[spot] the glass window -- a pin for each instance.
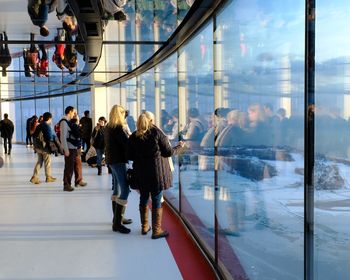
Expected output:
(259, 79)
(332, 138)
(146, 87)
(129, 88)
(84, 103)
(168, 114)
(196, 106)
(56, 109)
(41, 106)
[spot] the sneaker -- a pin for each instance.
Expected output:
(68, 188)
(50, 179)
(81, 184)
(35, 180)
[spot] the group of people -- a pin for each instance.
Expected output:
(148, 148)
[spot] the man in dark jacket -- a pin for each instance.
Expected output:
(6, 129)
(44, 155)
(86, 130)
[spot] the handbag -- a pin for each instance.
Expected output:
(131, 179)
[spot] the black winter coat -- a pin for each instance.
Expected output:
(150, 160)
(86, 127)
(98, 138)
(6, 128)
(116, 141)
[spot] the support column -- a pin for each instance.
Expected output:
(182, 89)
(157, 89)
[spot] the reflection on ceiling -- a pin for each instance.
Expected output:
(128, 42)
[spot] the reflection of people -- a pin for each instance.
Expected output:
(5, 56)
(149, 149)
(58, 55)
(38, 11)
(66, 16)
(194, 130)
(43, 65)
(173, 126)
(6, 131)
(31, 58)
(114, 9)
(70, 59)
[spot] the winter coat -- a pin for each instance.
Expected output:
(98, 140)
(6, 128)
(116, 141)
(86, 127)
(150, 160)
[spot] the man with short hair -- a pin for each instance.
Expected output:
(44, 153)
(70, 151)
(6, 130)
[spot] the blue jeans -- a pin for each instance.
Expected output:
(99, 156)
(121, 187)
(156, 199)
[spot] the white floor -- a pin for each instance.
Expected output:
(46, 233)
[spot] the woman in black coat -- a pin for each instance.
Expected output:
(98, 141)
(116, 140)
(149, 149)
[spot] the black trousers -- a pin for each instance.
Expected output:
(8, 144)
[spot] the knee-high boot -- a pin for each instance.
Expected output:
(118, 217)
(145, 228)
(157, 224)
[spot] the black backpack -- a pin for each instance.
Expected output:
(74, 135)
(38, 139)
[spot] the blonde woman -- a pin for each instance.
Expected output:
(149, 149)
(116, 138)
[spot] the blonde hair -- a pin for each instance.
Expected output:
(117, 116)
(144, 123)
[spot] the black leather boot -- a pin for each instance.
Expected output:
(118, 217)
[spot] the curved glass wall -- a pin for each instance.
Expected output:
(234, 92)
(332, 158)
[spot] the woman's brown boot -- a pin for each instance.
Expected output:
(157, 224)
(145, 228)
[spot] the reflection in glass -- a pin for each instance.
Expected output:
(196, 105)
(332, 137)
(259, 138)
